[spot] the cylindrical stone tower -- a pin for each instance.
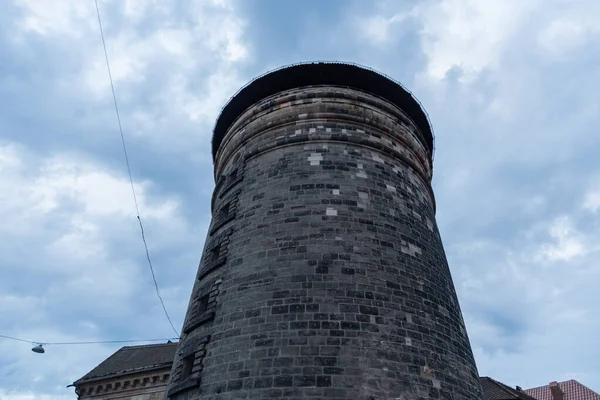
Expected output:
(323, 274)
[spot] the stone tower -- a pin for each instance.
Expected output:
(323, 275)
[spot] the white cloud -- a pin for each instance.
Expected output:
(469, 34)
(567, 242)
(8, 157)
(72, 245)
(185, 51)
(137, 9)
(54, 18)
(571, 30)
(97, 190)
(377, 28)
(475, 36)
(591, 201)
(172, 74)
(526, 301)
(92, 191)
(206, 106)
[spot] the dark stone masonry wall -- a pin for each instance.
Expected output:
(323, 274)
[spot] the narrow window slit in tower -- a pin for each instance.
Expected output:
(214, 253)
(224, 213)
(202, 304)
(187, 365)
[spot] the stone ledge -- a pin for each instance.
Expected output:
(185, 385)
(230, 217)
(196, 322)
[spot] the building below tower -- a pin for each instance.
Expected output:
(131, 373)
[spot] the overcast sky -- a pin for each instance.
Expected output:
(511, 86)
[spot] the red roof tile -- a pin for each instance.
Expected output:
(572, 390)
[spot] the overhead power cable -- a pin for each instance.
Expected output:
(112, 86)
(88, 342)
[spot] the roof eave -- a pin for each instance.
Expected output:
(120, 374)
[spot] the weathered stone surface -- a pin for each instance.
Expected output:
(330, 280)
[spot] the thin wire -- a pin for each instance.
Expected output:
(89, 342)
(112, 86)
(14, 338)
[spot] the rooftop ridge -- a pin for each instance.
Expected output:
(139, 346)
